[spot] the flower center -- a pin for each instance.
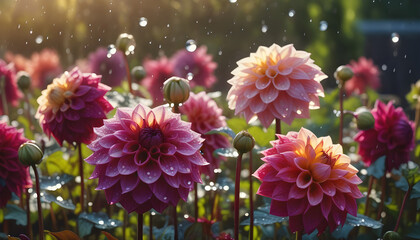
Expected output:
(150, 137)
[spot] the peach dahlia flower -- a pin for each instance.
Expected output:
(309, 180)
(276, 82)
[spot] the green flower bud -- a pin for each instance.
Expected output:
(243, 142)
(364, 120)
(126, 43)
(138, 73)
(391, 235)
(176, 90)
(343, 73)
(23, 80)
(30, 153)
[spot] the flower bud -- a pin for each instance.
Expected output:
(364, 120)
(125, 43)
(30, 153)
(391, 235)
(176, 90)
(343, 73)
(243, 142)
(138, 73)
(23, 80)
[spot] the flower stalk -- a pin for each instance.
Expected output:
(140, 226)
(367, 196)
(251, 199)
(237, 188)
(28, 213)
(150, 225)
(127, 69)
(38, 200)
(82, 179)
(407, 194)
(278, 126)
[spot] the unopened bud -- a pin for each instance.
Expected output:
(23, 80)
(365, 120)
(126, 43)
(176, 90)
(391, 235)
(30, 153)
(138, 73)
(343, 73)
(243, 142)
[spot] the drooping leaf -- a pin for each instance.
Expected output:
(64, 235)
(362, 220)
(226, 152)
(402, 184)
(226, 131)
(414, 231)
(48, 198)
(100, 220)
(416, 191)
(13, 212)
(342, 232)
(312, 236)
(85, 227)
(377, 169)
(52, 183)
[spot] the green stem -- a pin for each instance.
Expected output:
(82, 179)
(127, 70)
(251, 199)
(381, 205)
(38, 200)
(237, 188)
(139, 226)
(298, 235)
(367, 196)
(278, 126)
(402, 207)
(28, 213)
(175, 108)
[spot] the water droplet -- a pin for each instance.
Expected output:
(59, 198)
(384, 67)
(292, 13)
(143, 22)
(111, 50)
(191, 45)
(323, 26)
(232, 1)
(148, 173)
(395, 37)
(172, 168)
(220, 52)
(30, 32)
(264, 28)
(189, 182)
(164, 198)
(299, 112)
(101, 222)
(18, 26)
(190, 76)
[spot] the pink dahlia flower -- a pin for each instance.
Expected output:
(10, 85)
(310, 180)
(146, 158)
(158, 71)
(392, 136)
(72, 106)
(20, 62)
(366, 74)
(112, 69)
(44, 67)
(14, 176)
(198, 63)
(205, 115)
(276, 82)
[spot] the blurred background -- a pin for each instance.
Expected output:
(334, 31)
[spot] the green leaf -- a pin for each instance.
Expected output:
(100, 220)
(67, 204)
(237, 124)
(262, 217)
(13, 212)
(414, 231)
(226, 131)
(362, 220)
(52, 183)
(85, 227)
(262, 138)
(416, 191)
(226, 152)
(64, 235)
(342, 232)
(402, 184)
(377, 169)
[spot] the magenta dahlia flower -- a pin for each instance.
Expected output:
(205, 115)
(276, 82)
(44, 67)
(10, 85)
(72, 106)
(366, 74)
(157, 72)
(146, 158)
(309, 180)
(392, 136)
(112, 69)
(14, 176)
(196, 66)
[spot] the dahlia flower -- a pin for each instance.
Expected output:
(112, 69)
(392, 136)
(276, 82)
(44, 67)
(20, 62)
(10, 86)
(13, 175)
(157, 72)
(310, 180)
(72, 106)
(197, 63)
(146, 158)
(205, 115)
(366, 74)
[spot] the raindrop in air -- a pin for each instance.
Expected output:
(292, 13)
(323, 25)
(264, 28)
(111, 50)
(384, 67)
(232, 1)
(191, 45)
(39, 39)
(143, 22)
(190, 76)
(395, 37)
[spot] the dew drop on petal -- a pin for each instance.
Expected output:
(191, 45)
